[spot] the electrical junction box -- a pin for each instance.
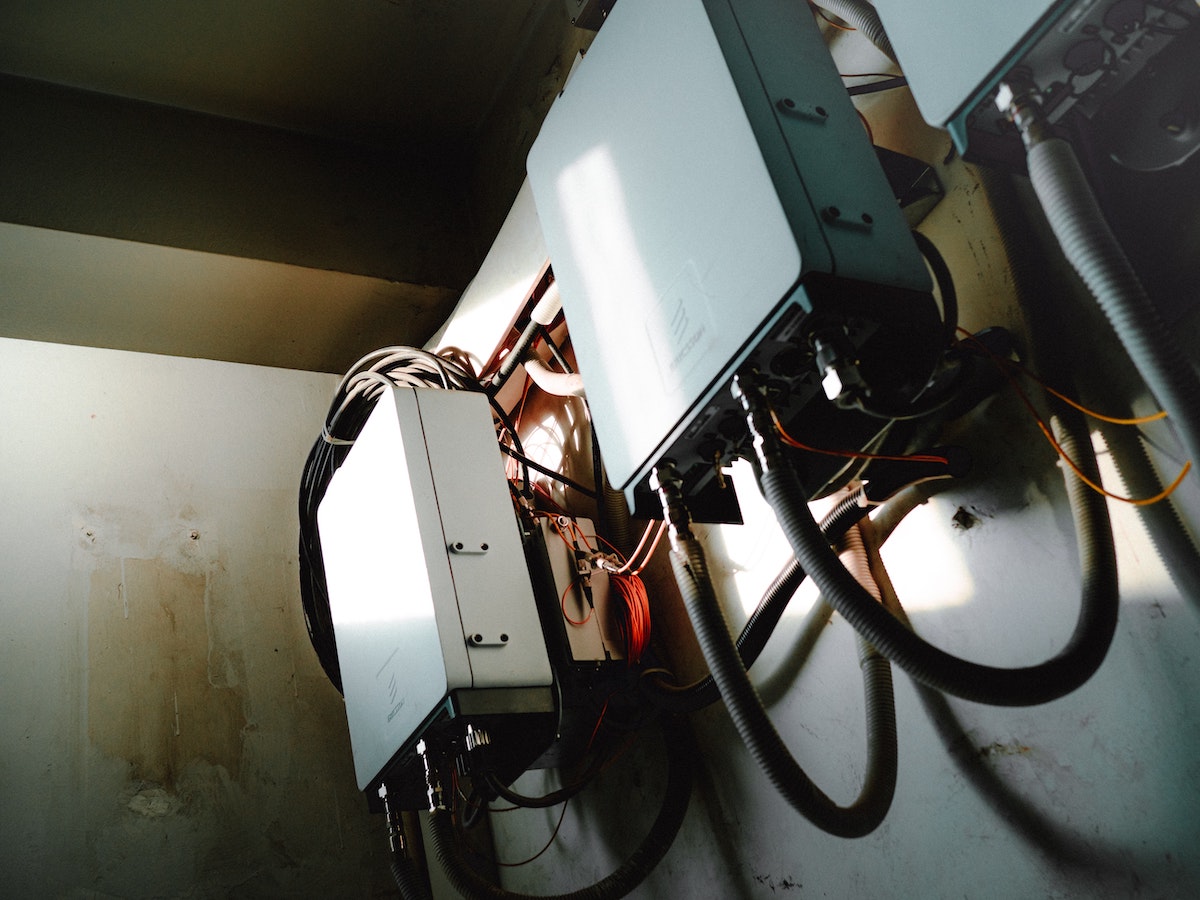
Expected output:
(1078, 53)
(583, 592)
(709, 199)
(431, 599)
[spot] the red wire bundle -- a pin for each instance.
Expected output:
(630, 607)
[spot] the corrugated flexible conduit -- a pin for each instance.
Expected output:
(1171, 539)
(761, 623)
(680, 775)
(1096, 255)
(864, 18)
(745, 706)
(1022, 686)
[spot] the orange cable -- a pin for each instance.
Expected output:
(628, 565)
(838, 25)
(662, 529)
(1001, 361)
(563, 605)
(599, 721)
(852, 454)
(1143, 501)
(617, 553)
(632, 616)
(638, 549)
(1099, 489)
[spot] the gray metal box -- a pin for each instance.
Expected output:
(428, 586)
(702, 160)
(1078, 53)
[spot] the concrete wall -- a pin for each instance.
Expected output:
(165, 729)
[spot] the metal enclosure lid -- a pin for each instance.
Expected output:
(952, 51)
(675, 187)
(424, 473)
(663, 271)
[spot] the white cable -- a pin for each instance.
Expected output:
(547, 308)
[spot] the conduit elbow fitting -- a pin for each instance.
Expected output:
(1020, 101)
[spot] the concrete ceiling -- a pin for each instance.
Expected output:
(417, 73)
(375, 142)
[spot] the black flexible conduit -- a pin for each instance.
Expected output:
(945, 283)
(408, 879)
(755, 726)
(681, 751)
(562, 795)
(761, 624)
(1024, 686)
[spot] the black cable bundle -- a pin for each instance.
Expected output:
(352, 403)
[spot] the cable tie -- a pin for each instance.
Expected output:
(336, 441)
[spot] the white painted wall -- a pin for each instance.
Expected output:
(1093, 795)
(165, 729)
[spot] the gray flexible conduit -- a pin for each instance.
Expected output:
(862, 16)
(1093, 250)
(680, 775)
(759, 627)
(1171, 539)
(1024, 686)
(756, 729)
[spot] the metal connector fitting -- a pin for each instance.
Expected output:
(840, 376)
(476, 738)
(767, 447)
(394, 822)
(1021, 103)
(432, 781)
(666, 481)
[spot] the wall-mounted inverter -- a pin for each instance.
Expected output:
(710, 200)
